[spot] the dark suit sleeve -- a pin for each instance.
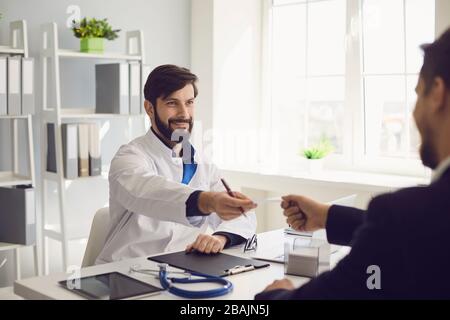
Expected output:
(192, 208)
(232, 239)
(341, 224)
(348, 280)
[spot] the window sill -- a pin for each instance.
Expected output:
(363, 181)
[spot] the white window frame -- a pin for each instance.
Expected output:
(353, 157)
(360, 161)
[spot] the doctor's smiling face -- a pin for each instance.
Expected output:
(170, 93)
(174, 112)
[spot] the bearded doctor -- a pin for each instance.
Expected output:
(164, 195)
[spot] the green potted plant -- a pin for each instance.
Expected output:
(316, 153)
(92, 33)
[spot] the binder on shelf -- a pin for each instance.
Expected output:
(3, 81)
(28, 86)
(14, 94)
(112, 88)
(146, 69)
(135, 87)
(69, 132)
(83, 149)
(51, 148)
(18, 215)
(95, 159)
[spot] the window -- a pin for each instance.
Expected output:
(392, 59)
(346, 70)
(306, 58)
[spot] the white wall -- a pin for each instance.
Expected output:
(226, 55)
(202, 46)
(442, 16)
(166, 27)
(237, 81)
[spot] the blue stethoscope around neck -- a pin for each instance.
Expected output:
(168, 284)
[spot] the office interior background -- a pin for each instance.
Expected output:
(275, 77)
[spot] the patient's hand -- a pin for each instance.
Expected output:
(304, 214)
(280, 284)
(208, 244)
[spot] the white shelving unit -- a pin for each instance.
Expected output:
(51, 53)
(19, 46)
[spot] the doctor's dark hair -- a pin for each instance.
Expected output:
(436, 62)
(166, 79)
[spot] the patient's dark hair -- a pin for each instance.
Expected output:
(166, 79)
(436, 62)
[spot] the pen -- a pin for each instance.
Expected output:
(239, 269)
(231, 194)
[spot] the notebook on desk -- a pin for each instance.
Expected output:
(218, 264)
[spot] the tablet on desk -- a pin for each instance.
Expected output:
(109, 286)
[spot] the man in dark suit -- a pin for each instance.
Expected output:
(401, 244)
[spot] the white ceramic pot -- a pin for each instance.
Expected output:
(314, 165)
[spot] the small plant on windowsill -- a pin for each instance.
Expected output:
(315, 155)
(92, 33)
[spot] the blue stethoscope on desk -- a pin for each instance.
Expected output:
(168, 283)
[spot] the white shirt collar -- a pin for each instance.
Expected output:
(155, 140)
(442, 167)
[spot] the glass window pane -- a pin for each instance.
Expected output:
(418, 33)
(411, 97)
(288, 78)
(326, 46)
(288, 125)
(288, 89)
(326, 110)
(288, 41)
(385, 121)
(383, 40)
(281, 2)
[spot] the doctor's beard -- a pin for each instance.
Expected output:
(166, 130)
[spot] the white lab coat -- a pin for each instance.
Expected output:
(147, 202)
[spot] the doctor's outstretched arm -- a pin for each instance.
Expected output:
(136, 185)
(242, 227)
(225, 206)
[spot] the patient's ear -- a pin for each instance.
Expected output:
(438, 95)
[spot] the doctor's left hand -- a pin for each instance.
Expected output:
(208, 244)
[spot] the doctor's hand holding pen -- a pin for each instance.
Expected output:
(224, 205)
(304, 214)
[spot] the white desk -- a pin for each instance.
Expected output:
(246, 284)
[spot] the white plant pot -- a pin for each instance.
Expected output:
(314, 165)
